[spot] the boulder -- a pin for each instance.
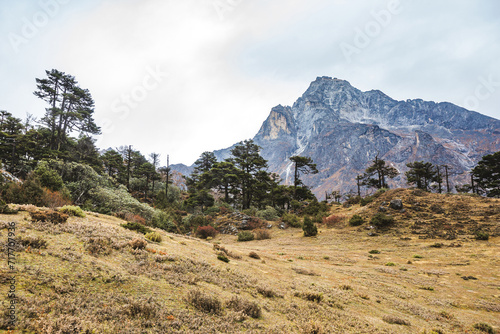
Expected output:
(396, 204)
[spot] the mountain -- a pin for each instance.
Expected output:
(343, 129)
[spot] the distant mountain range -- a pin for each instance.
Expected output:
(343, 129)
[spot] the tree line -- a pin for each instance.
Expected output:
(65, 133)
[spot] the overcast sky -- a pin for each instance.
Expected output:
(180, 77)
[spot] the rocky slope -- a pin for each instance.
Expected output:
(343, 129)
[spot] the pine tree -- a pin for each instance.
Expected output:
(71, 107)
(303, 165)
(376, 175)
(247, 159)
(310, 230)
(422, 174)
(486, 175)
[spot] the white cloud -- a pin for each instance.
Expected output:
(226, 67)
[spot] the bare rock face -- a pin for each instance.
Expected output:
(343, 129)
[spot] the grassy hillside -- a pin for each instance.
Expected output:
(425, 274)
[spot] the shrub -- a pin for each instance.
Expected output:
(108, 200)
(269, 213)
(356, 220)
(482, 236)
(192, 222)
(390, 264)
(436, 208)
(248, 308)
(73, 210)
(381, 220)
(133, 226)
(162, 220)
(310, 296)
(204, 302)
(315, 208)
(33, 242)
(254, 255)
(97, 246)
(223, 258)
(153, 236)
(252, 211)
(484, 328)
(268, 293)
(291, 220)
(333, 220)
(395, 320)
(138, 243)
(245, 236)
(353, 200)
(374, 251)
(54, 199)
(261, 234)
(225, 208)
(310, 230)
(379, 192)
(206, 231)
(50, 215)
(366, 200)
(4, 209)
(48, 178)
(212, 210)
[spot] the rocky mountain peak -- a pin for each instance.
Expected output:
(342, 129)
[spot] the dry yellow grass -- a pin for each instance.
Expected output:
(442, 278)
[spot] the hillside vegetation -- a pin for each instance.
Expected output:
(427, 272)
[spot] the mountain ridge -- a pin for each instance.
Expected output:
(343, 129)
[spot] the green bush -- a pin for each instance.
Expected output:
(353, 200)
(310, 230)
(48, 177)
(108, 200)
(223, 258)
(315, 208)
(381, 220)
(4, 209)
(291, 220)
(163, 220)
(153, 236)
(245, 236)
(356, 220)
(73, 210)
(212, 210)
(252, 211)
(136, 227)
(366, 200)
(379, 192)
(192, 222)
(225, 208)
(482, 236)
(269, 213)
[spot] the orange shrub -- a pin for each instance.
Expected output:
(333, 220)
(206, 231)
(261, 234)
(50, 215)
(54, 199)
